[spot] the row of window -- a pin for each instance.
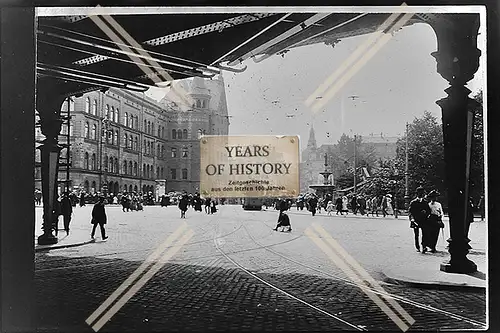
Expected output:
(114, 187)
(183, 134)
(128, 167)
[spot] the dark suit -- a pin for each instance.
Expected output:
(66, 211)
(99, 218)
(419, 212)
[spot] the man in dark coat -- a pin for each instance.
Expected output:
(66, 211)
(419, 212)
(183, 205)
(283, 221)
(99, 218)
(354, 204)
(82, 199)
(313, 203)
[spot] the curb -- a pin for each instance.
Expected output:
(431, 285)
(39, 248)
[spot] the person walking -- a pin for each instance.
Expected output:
(344, 205)
(374, 206)
(418, 214)
(354, 204)
(183, 205)
(330, 207)
(313, 203)
(435, 222)
(338, 206)
(361, 204)
(66, 210)
(207, 205)
(99, 218)
(82, 199)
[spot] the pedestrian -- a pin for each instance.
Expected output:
(435, 220)
(374, 206)
(388, 204)
(344, 205)
(183, 205)
(82, 199)
(99, 218)
(338, 206)
(330, 207)
(207, 205)
(313, 203)
(354, 204)
(66, 211)
(361, 204)
(213, 208)
(283, 221)
(418, 213)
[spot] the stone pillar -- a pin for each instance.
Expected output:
(49, 107)
(457, 61)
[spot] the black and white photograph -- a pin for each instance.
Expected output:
(207, 168)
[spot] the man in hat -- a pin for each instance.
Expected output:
(66, 211)
(418, 213)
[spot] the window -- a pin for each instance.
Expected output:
(105, 162)
(71, 129)
(94, 130)
(112, 113)
(115, 138)
(130, 167)
(87, 105)
(174, 152)
(152, 173)
(111, 165)
(131, 142)
(147, 171)
(173, 173)
(94, 107)
(179, 134)
(174, 134)
(184, 152)
(200, 133)
(144, 170)
(163, 132)
(124, 167)
(135, 144)
(86, 161)
(161, 173)
(125, 119)
(144, 147)
(162, 151)
(107, 111)
(184, 173)
(185, 134)
(152, 129)
(71, 104)
(198, 103)
(93, 163)
(148, 151)
(116, 166)
(130, 121)
(135, 168)
(86, 130)
(204, 104)
(117, 115)
(126, 140)
(159, 131)
(149, 127)
(145, 126)
(158, 150)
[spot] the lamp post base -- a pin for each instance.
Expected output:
(464, 266)
(47, 239)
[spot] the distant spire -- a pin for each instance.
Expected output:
(312, 139)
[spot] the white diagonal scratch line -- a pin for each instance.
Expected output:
(362, 272)
(355, 278)
(142, 281)
(360, 63)
(151, 258)
(361, 48)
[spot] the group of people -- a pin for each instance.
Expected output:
(426, 214)
(196, 202)
(131, 201)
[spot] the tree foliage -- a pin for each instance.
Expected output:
(425, 155)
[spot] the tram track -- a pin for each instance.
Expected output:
(367, 288)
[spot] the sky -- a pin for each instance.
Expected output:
(398, 84)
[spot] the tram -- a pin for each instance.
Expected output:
(253, 203)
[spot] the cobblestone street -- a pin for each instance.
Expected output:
(234, 272)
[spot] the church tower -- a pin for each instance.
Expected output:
(311, 144)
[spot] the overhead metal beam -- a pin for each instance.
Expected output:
(204, 29)
(296, 29)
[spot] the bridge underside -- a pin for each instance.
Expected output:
(79, 53)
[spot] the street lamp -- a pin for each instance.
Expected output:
(104, 133)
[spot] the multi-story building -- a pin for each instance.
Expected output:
(131, 142)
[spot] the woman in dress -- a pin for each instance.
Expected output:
(434, 221)
(344, 205)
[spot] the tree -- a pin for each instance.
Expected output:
(477, 154)
(425, 156)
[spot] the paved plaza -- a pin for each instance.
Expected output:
(235, 273)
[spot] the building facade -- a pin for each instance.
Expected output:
(129, 142)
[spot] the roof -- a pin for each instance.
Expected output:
(134, 51)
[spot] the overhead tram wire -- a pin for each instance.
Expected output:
(206, 67)
(124, 60)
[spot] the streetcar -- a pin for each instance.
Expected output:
(253, 203)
